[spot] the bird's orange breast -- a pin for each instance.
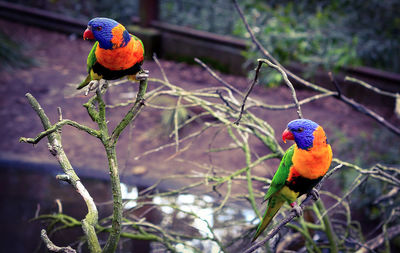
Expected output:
(121, 58)
(315, 162)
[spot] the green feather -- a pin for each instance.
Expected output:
(91, 60)
(273, 195)
(274, 204)
(282, 174)
(84, 82)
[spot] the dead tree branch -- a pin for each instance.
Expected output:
(359, 107)
(52, 247)
(315, 87)
(285, 78)
(56, 149)
(370, 87)
(380, 239)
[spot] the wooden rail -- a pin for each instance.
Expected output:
(183, 43)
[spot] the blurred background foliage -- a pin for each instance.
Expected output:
(122, 10)
(12, 54)
(216, 16)
(323, 33)
(328, 34)
(364, 151)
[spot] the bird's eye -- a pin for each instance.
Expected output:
(99, 28)
(300, 130)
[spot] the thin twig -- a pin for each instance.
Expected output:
(56, 127)
(176, 122)
(285, 78)
(270, 57)
(289, 106)
(337, 86)
(256, 103)
(356, 182)
(379, 240)
(315, 87)
(365, 110)
(248, 93)
(132, 113)
(288, 83)
(219, 79)
(52, 247)
(370, 87)
(55, 145)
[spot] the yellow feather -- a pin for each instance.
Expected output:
(274, 204)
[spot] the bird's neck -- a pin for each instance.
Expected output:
(317, 139)
(320, 138)
(121, 36)
(118, 38)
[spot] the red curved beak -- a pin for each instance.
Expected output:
(287, 135)
(88, 35)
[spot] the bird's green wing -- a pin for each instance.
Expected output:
(281, 175)
(91, 60)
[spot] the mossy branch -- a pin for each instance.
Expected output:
(58, 126)
(132, 113)
(54, 138)
(52, 247)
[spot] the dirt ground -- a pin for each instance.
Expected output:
(62, 64)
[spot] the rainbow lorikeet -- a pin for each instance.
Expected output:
(115, 54)
(301, 168)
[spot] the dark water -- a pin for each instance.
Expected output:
(25, 192)
(28, 189)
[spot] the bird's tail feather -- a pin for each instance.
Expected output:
(84, 82)
(274, 204)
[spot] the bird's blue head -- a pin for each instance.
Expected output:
(302, 132)
(101, 29)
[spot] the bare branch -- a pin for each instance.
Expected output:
(248, 93)
(285, 78)
(370, 87)
(365, 110)
(52, 247)
(132, 113)
(270, 57)
(54, 128)
(219, 79)
(256, 103)
(379, 240)
(289, 106)
(54, 138)
(315, 87)
(287, 81)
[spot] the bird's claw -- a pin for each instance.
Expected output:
(142, 75)
(298, 211)
(95, 84)
(314, 194)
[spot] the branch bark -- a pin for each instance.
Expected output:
(315, 87)
(52, 247)
(132, 113)
(56, 149)
(380, 239)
